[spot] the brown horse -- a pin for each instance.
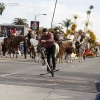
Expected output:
(65, 46)
(29, 47)
(69, 50)
(12, 45)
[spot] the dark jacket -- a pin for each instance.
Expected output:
(30, 35)
(8, 33)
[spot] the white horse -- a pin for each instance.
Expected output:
(34, 42)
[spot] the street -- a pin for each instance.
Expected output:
(20, 79)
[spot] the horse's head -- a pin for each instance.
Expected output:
(5, 45)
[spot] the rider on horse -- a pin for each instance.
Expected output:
(70, 37)
(29, 35)
(80, 41)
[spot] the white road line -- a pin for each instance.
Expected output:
(8, 74)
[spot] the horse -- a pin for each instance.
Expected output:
(5, 46)
(13, 45)
(65, 46)
(69, 50)
(80, 48)
(37, 54)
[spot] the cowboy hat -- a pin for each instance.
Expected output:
(30, 30)
(80, 31)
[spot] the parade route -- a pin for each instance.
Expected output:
(20, 79)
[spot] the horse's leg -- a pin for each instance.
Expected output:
(31, 53)
(6, 53)
(24, 50)
(12, 53)
(79, 57)
(16, 52)
(65, 55)
(82, 57)
(39, 57)
(59, 56)
(67, 58)
(70, 58)
(62, 57)
(36, 58)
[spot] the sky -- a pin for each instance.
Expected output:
(65, 9)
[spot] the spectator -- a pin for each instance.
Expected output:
(97, 84)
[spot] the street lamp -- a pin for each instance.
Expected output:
(35, 20)
(53, 14)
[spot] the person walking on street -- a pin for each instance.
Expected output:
(48, 39)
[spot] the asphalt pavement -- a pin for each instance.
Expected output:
(20, 80)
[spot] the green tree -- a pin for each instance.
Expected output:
(2, 8)
(58, 28)
(66, 23)
(20, 21)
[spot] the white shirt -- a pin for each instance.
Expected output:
(79, 37)
(70, 37)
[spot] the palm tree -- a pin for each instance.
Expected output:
(20, 21)
(67, 23)
(2, 8)
(87, 24)
(89, 12)
(88, 17)
(58, 28)
(75, 16)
